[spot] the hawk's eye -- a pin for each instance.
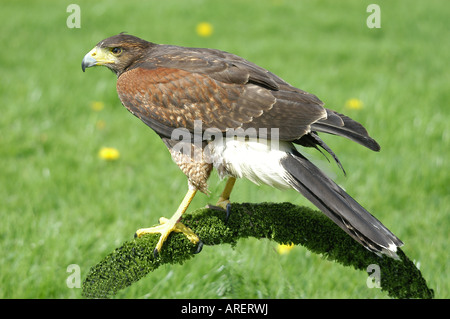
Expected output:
(116, 51)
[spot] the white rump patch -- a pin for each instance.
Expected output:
(254, 159)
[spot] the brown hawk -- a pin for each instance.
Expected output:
(214, 109)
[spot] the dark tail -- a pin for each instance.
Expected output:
(334, 202)
(340, 124)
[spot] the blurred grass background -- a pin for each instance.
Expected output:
(60, 204)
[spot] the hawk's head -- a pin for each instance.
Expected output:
(116, 53)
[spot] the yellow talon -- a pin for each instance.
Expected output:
(224, 198)
(223, 203)
(167, 226)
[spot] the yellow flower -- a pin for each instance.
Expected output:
(97, 106)
(284, 249)
(204, 29)
(354, 104)
(100, 124)
(108, 154)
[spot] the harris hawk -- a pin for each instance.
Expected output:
(214, 109)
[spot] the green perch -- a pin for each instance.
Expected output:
(299, 225)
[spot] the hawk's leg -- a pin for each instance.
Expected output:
(173, 225)
(224, 199)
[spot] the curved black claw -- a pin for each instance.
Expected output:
(227, 210)
(228, 213)
(199, 247)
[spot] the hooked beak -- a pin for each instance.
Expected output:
(97, 56)
(89, 60)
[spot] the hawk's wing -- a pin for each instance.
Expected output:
(174, 86)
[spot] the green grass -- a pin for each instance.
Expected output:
(60, 204)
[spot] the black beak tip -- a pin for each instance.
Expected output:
(83, 65)
(87, 62)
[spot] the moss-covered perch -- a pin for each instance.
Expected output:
(283, 223)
